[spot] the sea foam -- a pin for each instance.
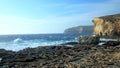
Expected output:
(19, 42)
(19, 45)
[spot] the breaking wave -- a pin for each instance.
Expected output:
(17, 40)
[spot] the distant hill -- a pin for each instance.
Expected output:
(80, 30)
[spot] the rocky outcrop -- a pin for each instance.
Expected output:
(108, 25)
(89, 40)
(5, 53)
(80, 29)
(79, 56)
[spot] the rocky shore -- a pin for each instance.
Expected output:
(78, 56)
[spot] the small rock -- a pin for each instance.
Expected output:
(112, 43)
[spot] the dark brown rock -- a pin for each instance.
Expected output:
(81, 56)
(112, 43)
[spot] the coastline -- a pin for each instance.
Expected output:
(78, 56)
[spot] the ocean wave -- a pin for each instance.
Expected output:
(17, 40)
(19, 44)
(0, 59)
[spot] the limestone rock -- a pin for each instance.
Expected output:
(108, 25)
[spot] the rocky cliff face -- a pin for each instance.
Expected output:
(79, 29)
(108, 25)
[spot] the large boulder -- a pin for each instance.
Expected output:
(89, 40)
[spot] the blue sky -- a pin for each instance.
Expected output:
(51, 16)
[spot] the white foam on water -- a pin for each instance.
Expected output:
(0, 59)
(101, 43)
(69, 45)
(103, 39)
(17, 40)
(16, 46)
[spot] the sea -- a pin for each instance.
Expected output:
(22, 41)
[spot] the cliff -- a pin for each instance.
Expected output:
(80, 29)
(108, 25)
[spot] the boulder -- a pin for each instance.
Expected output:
(89, 40)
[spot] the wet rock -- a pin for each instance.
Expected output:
(70, 43)
(112, 43)
(6, 53)
(89, 40)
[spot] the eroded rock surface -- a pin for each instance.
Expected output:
(79, 56)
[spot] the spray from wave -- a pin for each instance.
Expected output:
(19, 42)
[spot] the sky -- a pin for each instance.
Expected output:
(51, 16)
